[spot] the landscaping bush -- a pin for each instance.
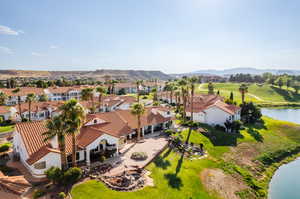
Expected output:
(139, 156)
(61, 195)
(4, 147)
(169, 132)
(38, 193)
(54, 174)
(220, 128)
(72, 175)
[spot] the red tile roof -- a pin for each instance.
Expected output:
(23, 91)
(11, 186)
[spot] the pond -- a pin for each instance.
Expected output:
(285, 183)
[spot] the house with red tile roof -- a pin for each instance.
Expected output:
(8, 113)
(24, 91)
(103, 133)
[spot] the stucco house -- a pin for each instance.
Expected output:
(211, 109)
(103, 133)
(8, 113)
(24, 91)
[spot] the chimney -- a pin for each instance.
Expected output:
(54, 142)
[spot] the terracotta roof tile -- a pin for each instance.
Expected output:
(23, 91)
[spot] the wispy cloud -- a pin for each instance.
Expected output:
(5, 50)
(54, 46)
(4, 30)
(37, 54)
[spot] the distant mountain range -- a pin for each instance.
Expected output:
(253, 71)
(129, 75)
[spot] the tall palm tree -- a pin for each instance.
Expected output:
(101, 90)
(138, 84)
(88, 94)
(57, 128)
(74, 116)
(184, 92)
(177, 97)
(192, 82)
(243, 90)
(154, 91)
(30, 98)
(138, 110)
(3, 98)
(17, 90)
(210, 88)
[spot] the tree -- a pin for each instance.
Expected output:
(231, 96)
(138, 84)
(228, 125)
(43, 98)
(288, 83)
(177, 97)
(88, 94)
(72, 175)
(101, 90)
(210, 88)
(73, 115)
(280, 82)
(170, 86)
(296, 86)
(250, 113)
(154, 91)
(57, 130)
(192, 81)
(3, 98)
(138, 110)
(54, 174)
(30, 98)
(243, 90)
(184, 92)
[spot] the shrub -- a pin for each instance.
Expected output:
(139, 156)
(54, 174)
(220, 128)
(4, 147)
(38, 193)
(61, 195)
(102, 158)
(169, 132)
(72, 175)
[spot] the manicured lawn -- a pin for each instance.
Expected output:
(4, 129)
(264, 94)
(177, 177)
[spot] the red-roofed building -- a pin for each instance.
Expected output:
(102, 133)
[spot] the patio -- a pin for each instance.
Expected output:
(151, 144)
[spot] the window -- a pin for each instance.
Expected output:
(77, 155)
(40, 165)
(95, 121)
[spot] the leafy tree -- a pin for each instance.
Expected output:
(72, 175)
(288, 83)
(250, 113)
(43, 98)
(296, 86)
(73, 115)
(3, 98)
(280, 83)
(122, 91)
(210, 88)
(231, 96)
(54, 174)
(138, 110)
(57, 129)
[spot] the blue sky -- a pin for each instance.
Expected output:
(169, 35)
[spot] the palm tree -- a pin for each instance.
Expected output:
(192, 81)
(17, 90)
(154, 91)
(184, 92)
(3, 98)
(138, 84)
(177, 97)
(243, 90)
(101, 90)
(30, 98)
(73, 115)
(88, 94)
(57, 128)
(138, 110)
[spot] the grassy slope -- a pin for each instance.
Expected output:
(179, 178)
(4, 129)
(266, 94)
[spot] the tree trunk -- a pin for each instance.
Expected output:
(62, 149)
(100, 100)
(74, 150)
(192, 105)
(20, 110)
(243, 97)
(29, 107)
(139, 128)
(138, 93)
(93, 105)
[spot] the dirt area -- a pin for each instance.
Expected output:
(215, 180)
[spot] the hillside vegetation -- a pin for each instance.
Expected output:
(265, 94)
(237, 166)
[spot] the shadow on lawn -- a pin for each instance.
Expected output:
(286, 94)
(253, 130)
(161, 162)
(173, 180)
(219, 138)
